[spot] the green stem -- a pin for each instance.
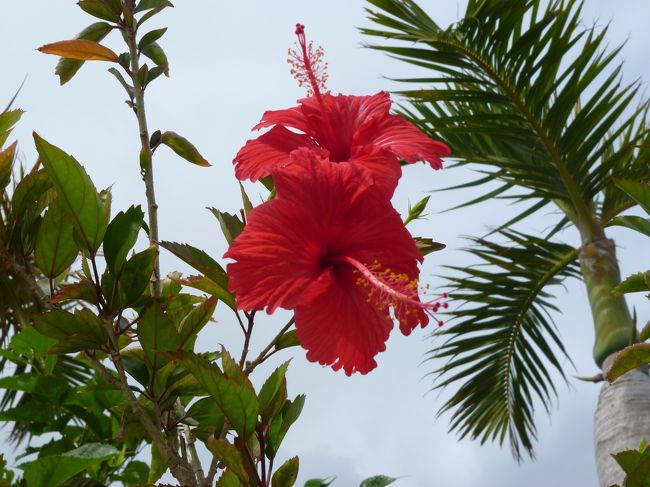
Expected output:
(147, 172)
(612, 321)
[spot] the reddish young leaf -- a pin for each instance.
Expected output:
(81, 49)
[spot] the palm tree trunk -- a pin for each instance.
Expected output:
(622, 419)
(622, 416)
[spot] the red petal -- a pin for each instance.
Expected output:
(269, 151)
(403, 138)
(337, 327)
(275, 257)
(382, 164)
(290, 117)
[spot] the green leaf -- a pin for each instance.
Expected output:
(7, 157)
(628, 359)
(640, 476)
(135, 364)
(202, 262)
(206, 412)
(320, 482)
(281, 424)
(158, 466)
(28, 341)
(246, 201)
(635, 283)
(129, 91)
(52, 471)
(151, 4)
(237, 400)
(287, 340)
(74, 332)
(67, 68)
(9, 118)
(229, 456)
(76, 191)
(231, 225)
(136, 275)
(150, 37)
(644, 334)
(29, 193)
(83, 290)
(135, 473)
(157, 333)
(427, 245)
(377, 481)
(121, 235)
(154, 52)
(416, 211)
(56, 248)
(286, 475)
(100, 9)
(183, 148)
(194, 322)
(229, 479)
(638, 190)
(270, 396)
(641, 225)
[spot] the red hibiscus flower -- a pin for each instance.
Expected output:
(330, 247)
(355, 129)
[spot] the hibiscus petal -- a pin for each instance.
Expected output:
(269, 151)
(276, 257)
(403, 138)
(337, 327)
(290, 117)
(382, 164)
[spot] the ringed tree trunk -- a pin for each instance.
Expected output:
(622, 416)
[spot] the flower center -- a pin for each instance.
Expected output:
(388, 289)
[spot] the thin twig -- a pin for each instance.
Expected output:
(263, 354)
(248, 332)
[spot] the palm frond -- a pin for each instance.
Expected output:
(499, 343)
(527, 92)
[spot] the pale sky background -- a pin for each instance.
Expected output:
(228, 65)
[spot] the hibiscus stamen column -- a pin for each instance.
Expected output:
(387, 289)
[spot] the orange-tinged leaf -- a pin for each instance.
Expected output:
(81, 49)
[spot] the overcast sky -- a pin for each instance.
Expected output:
(228, 65)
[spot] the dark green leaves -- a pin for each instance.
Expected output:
(639, 191)
(74, 332)
(233, 393)
(157, 333)
(229, 457)
(202, 262)
(121, 236)
(136, 275)
(55, 470)
(231, 225)
(100, 9)
(150, 37)
(55, 248)
(498, 345)
(183, 148)
(76, 192)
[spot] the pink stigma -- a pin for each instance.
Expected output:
(307, 65)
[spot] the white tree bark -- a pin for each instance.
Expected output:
(621, 420)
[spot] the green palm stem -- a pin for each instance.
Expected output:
(613, 324)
